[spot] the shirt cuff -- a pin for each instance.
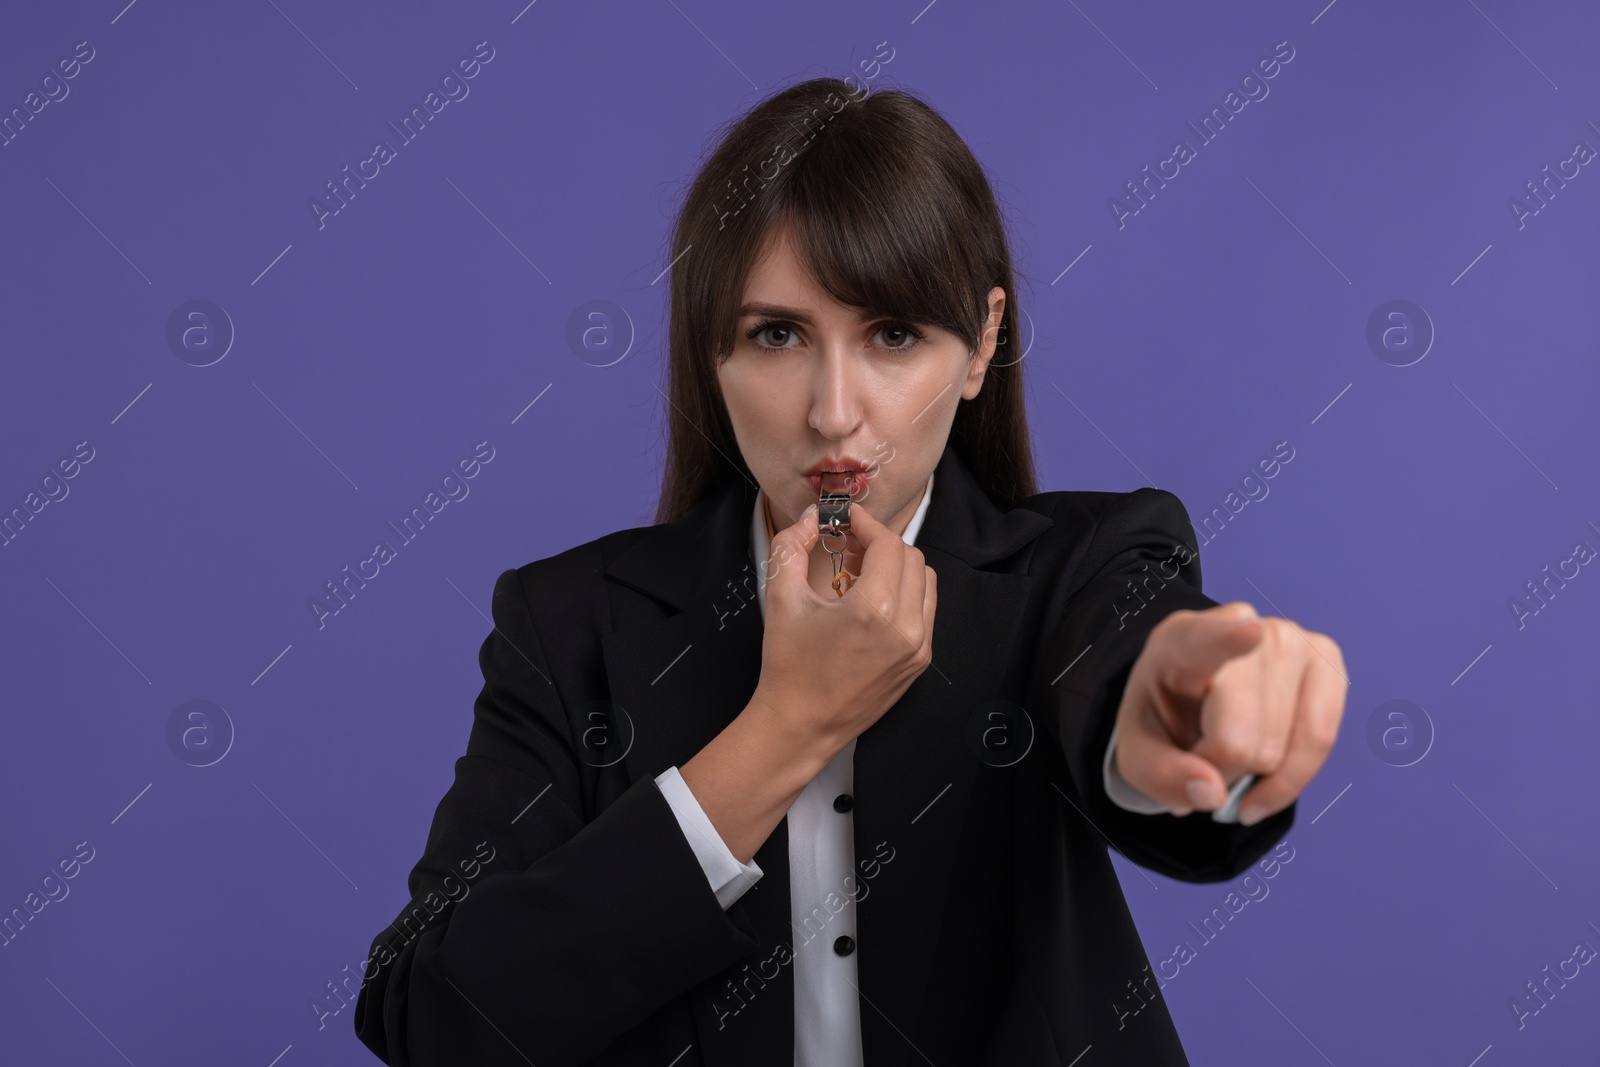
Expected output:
(728, 877)
(1121, 793)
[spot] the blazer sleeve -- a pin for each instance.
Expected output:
(569, 933)
(1142, 565)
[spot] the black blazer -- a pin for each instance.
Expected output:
(991, 925)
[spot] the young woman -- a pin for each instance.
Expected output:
(721, 807)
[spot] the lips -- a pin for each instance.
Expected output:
(858, 485)
(838, 467)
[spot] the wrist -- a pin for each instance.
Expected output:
(795, 747)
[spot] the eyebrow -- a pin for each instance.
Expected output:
(774, 311)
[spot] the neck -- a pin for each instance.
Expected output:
(902, 520)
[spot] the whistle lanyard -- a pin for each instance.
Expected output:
(833, 523)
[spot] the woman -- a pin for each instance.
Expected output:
(720, 807)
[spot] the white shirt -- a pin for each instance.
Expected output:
(827, 1009)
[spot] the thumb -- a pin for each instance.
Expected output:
(1149, 760)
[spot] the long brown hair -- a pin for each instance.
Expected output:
(890, 211)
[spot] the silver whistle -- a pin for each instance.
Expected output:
(833, 504)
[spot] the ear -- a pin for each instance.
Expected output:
(979, 364)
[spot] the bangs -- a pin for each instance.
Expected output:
(890, 213)
(878, 235)
(877, 214)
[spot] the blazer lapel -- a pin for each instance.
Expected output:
(682, 678)
(914, 767)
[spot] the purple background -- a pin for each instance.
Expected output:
(1229, 314)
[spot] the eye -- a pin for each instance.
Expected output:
(779, 328)
(910, 336)
(902, 336)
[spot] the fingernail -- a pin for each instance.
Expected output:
(1252, 814)
(1202, 793)
(809, 509)
(1181, 812)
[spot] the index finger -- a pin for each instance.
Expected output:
(1197, 643)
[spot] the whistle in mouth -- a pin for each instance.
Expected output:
(833, 503)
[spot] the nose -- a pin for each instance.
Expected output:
(836, 392)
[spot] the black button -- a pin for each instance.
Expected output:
(844, 944)
(842, 802)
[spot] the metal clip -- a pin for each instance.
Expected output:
(833, 520)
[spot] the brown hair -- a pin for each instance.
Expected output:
(890, 212)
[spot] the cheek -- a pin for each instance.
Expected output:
(912, 428)
(763, 412)
(737, 393)
(765, 402)
(924, 403)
